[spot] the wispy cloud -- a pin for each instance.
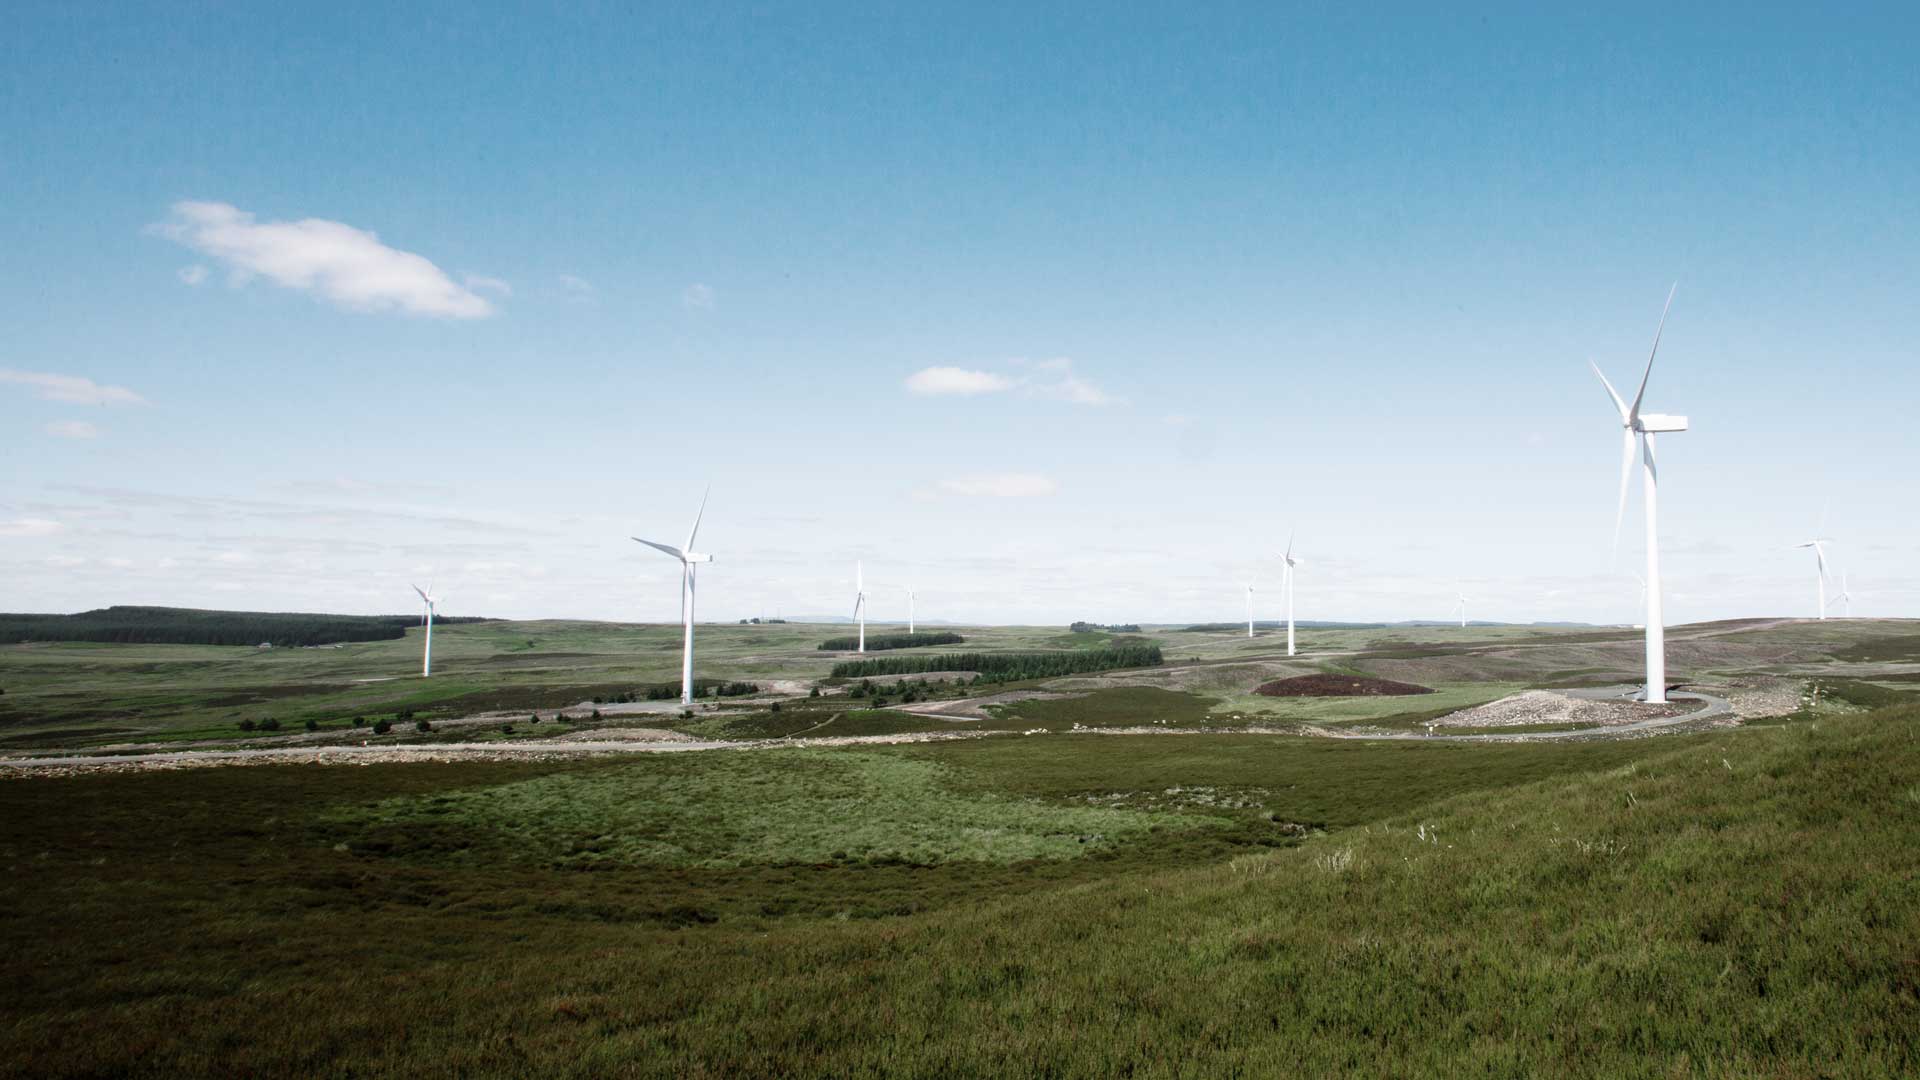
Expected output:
(1053, 379)
(1000, 485)
(73, 429)
(953, 380)
(482, 283)
(347, 266)
(698, 296)
(72, 389)
(29, 527)
(192, 275)
(577, 288)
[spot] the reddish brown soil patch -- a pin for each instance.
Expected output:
(1338, 686)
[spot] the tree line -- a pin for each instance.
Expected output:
(1111, 628)
(1006, 667)
(883, 642)
(130, 625)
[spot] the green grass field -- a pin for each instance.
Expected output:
(1058, 897)
(1736, 904)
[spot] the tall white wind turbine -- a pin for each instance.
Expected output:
(688, 560)
(1819, 546)
(860, 601)
(1642, 427)
(426, 620)
(1460, 608)
(909, 610)
(1249, 609)
(1286, 581)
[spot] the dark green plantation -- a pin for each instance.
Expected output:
(1731, 904)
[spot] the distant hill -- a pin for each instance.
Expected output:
(124, 624)
(1303, 624)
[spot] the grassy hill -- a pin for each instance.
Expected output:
(1743, 903)
(132, 625)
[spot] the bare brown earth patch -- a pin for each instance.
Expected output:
(1326, 685)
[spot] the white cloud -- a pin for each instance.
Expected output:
(1076, 390)
(29, 527)
(1062, 384)
(345, 265)
(482, 283)
(192, 275)
(73, 429)
(65, 562)
(72, 389)
(577, 288)
(698, 296)
(953, 380)
(1000, 485)
(1054, 379)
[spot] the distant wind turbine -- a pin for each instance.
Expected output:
(426, 620)
(1286, 581)
(860, 601)
(688, 560)
(909, 611)
(1819, 546)
(1642, 427)
(1460, 608)
(1249, 609)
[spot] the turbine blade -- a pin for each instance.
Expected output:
(691, 533)
(668, 548)
(1289, 555)
(1635, 414)
(1612, 393)
(1626, 481)
(1646, 447)
(416, 588)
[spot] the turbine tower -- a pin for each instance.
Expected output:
(688, 560)
(1286, 581)
(1640, 426)
(909, 611)
(426, 620)
(860, 601)
(1819, 546)
(1249, 609)
(1460, 607)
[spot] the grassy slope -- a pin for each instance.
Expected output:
(1739, 904)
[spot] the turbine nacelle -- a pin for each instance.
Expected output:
(1653, 423)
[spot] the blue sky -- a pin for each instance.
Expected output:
(298, 307)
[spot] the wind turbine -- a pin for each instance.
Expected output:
(1640, 426)
(1460, 607)
(687, 562)
(1249, 609)
(426, 620)
(909, 611)
(1286, 581)
(860, 601)
(1819, 546)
